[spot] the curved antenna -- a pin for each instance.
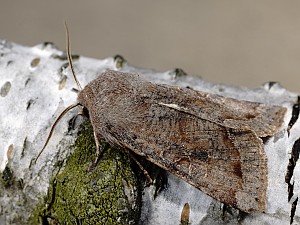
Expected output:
(69, 56)
(54, 124)
(69, 107)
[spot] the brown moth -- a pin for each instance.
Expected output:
(212, 142)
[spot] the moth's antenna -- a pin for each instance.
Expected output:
(69, 107)
(54, 124)
(69, 56)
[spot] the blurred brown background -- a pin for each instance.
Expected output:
(233, 42)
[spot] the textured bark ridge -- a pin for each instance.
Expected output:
(255, 168)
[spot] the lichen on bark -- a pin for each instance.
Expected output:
(80, 194)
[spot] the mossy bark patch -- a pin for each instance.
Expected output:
(105, 194)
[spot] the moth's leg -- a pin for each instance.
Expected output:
(100, 149)
(81, 112)
(97, 149)
(74, 120)
(150, 181)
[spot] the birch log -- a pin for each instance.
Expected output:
(36, 85)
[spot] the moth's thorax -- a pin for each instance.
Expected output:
(110, 86)
(109, 94)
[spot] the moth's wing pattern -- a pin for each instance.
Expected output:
(213, 145)
(227, 164)
(263, 120)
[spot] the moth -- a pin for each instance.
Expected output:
(212, 142)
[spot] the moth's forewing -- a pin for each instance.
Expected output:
(227, 164)
(213, 145)
(263, 120)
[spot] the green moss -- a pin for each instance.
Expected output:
(105, 194)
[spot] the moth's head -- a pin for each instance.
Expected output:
(86, 97)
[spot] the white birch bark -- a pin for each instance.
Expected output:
(36, 85)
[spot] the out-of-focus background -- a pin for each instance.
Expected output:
(234, 42)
